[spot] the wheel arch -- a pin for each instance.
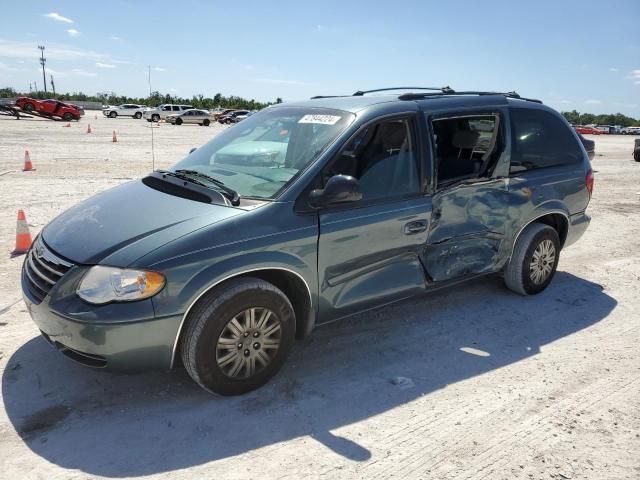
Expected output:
(557, 219)
(292, 284)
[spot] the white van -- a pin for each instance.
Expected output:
(161, 112)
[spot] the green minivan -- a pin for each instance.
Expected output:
(302, 214)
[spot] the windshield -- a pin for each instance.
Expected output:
(262, 154)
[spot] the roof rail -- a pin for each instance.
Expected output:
(442, 90)
(419, 96)
(327, 96)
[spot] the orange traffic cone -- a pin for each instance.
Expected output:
(28, 166)
(114, 139)
(89, 128)
(23, 237)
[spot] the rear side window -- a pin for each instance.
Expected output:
(541, 140)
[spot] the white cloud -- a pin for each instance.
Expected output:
(104, 65)
(73, 32)
(22, 50)
(83, 73)
(593, 101)
(613, 69)
(566, 102)
(174, 90)
(319, 28)
(635, 76)
(115, 38)
(160, 69)
(58, 18)
(277, 81)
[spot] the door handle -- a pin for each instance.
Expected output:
(414, 227)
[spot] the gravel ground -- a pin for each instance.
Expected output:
(468, 383)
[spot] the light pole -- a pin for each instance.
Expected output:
(53, 86)
(42, 62)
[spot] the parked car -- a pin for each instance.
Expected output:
(53, 108)
(221, 113)
(589, 146)
(124, 110)
(587, 130)
(231, 116)
(161, 112)
(244, 245)
(630, 131)
(238, 116)
(194, 116)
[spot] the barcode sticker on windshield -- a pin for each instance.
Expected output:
(322, 119)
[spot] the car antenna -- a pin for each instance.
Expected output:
(153, 151)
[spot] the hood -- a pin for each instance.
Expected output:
(122, 224)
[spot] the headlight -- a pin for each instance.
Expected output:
(108, 284)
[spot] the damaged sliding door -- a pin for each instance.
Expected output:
(467, 229)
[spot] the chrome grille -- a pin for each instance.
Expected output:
(43, 269)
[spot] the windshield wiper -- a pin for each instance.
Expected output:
(231, 193)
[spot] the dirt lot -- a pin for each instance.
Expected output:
(500, 386)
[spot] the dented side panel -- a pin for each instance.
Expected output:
(467, 230)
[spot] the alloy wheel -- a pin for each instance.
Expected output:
(542, 262)
(248, 343)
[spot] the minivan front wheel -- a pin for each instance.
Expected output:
(238, 336)
(534, 260)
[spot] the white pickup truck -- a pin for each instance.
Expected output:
(124, 110)
(162, 111)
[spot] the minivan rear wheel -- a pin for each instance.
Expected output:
(238, 336)
(534, 261)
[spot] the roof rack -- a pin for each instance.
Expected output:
(442, 90)
(419, 96)
(432, 92)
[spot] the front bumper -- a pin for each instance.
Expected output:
(119, 337)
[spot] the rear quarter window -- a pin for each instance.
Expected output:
(541, 140)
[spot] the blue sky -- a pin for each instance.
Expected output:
(572, 54)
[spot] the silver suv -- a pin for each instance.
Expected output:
(161, 112)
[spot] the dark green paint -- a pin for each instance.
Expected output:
(351, 258)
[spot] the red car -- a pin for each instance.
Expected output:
(587, 130)
(52, 108)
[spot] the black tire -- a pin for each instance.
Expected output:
(113, 114)
(155, 118)
(67, 117)
(29, 107)
(138, 115)
(208, 320)
(178, 121)
(206, 123)
(636, 154)
(518, 274)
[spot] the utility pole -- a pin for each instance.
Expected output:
(53, 86)
(42, 62)
(29, 87)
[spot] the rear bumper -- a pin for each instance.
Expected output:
(142, 344)
(578, 225)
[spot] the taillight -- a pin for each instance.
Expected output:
(589, 182)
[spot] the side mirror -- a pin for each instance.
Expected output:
(192, 150)
(339, 189)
